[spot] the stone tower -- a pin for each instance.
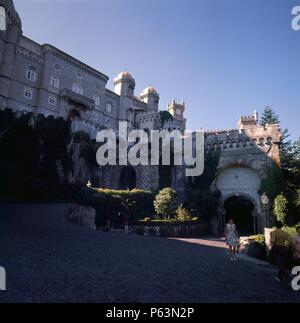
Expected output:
(177, 110)
(150, 96)
(124, 84)
(9, 38)
(124, 87)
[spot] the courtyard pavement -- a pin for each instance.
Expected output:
(50, 260)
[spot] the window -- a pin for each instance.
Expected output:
(2, 19)
(31, 74)
(108, 107)
(54, 82)
(28, 93)
(97, 99)
(52, 100)
(79, 75)
(77, 88)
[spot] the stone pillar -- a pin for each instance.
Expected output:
(255, 221)
(217, 222)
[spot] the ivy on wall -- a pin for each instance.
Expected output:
(30, 149)
(203, 201)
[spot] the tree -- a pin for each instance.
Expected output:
(165, 116)
(290, 163)
(281, 208)
(166, 202)
(269, 116)
(273, 183)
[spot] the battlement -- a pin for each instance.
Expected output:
(176, 109)
(173, 125)
(248, 121)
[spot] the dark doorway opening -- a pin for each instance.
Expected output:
(128, 178)
(74, 114)
(240, 208)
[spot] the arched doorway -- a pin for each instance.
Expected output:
(127, 178)
(74, 114)
(241, 208)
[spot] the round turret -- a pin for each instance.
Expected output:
(124, 84)
(149, 90)
(124, 75)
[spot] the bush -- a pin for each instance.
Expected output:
(290, 230)
(166, 203)
(116, 205)
(259, 240)
(258, 248)
(281, 208)
(183, 214)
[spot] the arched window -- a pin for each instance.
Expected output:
(108, 107)
(54, 82)
(97, 99)
(52, 99)
(77, 88)
(31, 74)
(28, 93)
(2, 18)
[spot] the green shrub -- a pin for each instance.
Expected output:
(290, 230)
(183, 214)
(258, 248)
(259, 240)
(116, 205)
(166, 203)
(281, 208)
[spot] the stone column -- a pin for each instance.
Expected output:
(255, 221)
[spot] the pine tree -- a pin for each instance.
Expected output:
(269, 117)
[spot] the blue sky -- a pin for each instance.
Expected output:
(225, 58)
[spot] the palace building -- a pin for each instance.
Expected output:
(43, 80)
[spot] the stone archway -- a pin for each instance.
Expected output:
(244, 210)
(240, 184)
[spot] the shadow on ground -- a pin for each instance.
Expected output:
(50, 260)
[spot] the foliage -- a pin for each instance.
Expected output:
(281, 208)
(116, 205)
(32, 145)
(202, 200)
(211, 161)
(183, 214)
(259, 239)
(269, 116)
(166, 203)
(273, 183)
(258, 248)
(165, 116)
(290, 230)
(289, 183)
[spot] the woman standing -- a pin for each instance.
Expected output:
(232, 239)
(296, 246)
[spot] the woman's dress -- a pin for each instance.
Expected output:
(232, 238)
